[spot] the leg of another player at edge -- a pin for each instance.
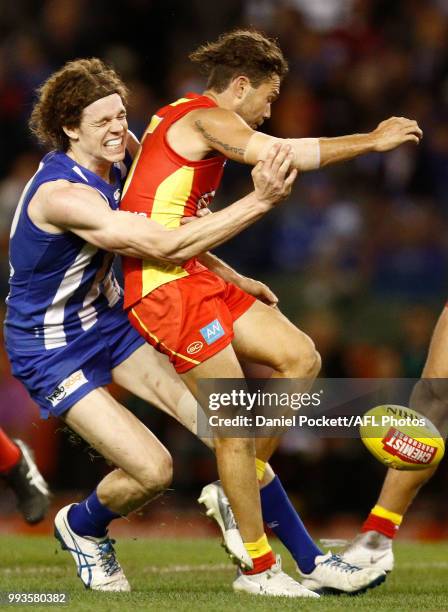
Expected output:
(398, 491)
(144, 466)
(430, 397)
(236, 465)
(21, 475)
(291, 354)
(9, 453)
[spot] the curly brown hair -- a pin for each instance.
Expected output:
(240, 52)
(64, 95)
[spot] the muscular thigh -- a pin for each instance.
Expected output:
(114, 432)
(264, 335)
(149, 375)
(224, 364)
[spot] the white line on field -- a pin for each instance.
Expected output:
(179, 569)
(146, 569)
(168, 569)
(423, 564)
(37, 569)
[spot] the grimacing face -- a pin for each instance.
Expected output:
(102, 133)
(256, 106)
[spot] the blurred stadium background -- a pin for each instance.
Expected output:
(358, 255)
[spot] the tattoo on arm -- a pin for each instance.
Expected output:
(216, 141)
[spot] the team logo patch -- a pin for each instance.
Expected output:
(194, 347)
(212, 332)
(117, 194)
(67, 387)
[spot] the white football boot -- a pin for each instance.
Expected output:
(95, 558)
(271, 583)
(333, 575)
(370, 549)
(218, 507)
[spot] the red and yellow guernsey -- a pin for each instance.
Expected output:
(165, 187)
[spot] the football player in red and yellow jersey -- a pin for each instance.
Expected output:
(201, 320)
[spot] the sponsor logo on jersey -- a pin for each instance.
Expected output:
(117, 194)
(194, 347)
(212, 332)
(68, 386)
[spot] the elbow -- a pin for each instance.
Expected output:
(179, 260)
(171, 252)
(161, 245)
(173, 258)
(178, 257)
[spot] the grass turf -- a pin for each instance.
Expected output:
(194, 575)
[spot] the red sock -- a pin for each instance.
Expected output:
(9, 453)
(382, 525)
(261, 554)
(261, 564)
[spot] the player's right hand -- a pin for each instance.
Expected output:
(395, 131)
(274, 177)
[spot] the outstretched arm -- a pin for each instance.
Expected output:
(388, 135)
(226, 132)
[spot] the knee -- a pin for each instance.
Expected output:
(157, 474)
(299, 358)
(316, 363)
(235, 446)
(164, 472)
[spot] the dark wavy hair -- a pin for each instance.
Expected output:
(64, 95)
(240, 52)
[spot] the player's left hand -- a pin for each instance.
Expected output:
(257, 289)
(202, 212)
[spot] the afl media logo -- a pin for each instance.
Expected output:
(194, 347)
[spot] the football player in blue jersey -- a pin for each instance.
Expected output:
(66, 334)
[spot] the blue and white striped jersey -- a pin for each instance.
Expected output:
(59, 284)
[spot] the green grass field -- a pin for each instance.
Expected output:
(194, 575)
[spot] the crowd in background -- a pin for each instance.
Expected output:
(358, 255)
